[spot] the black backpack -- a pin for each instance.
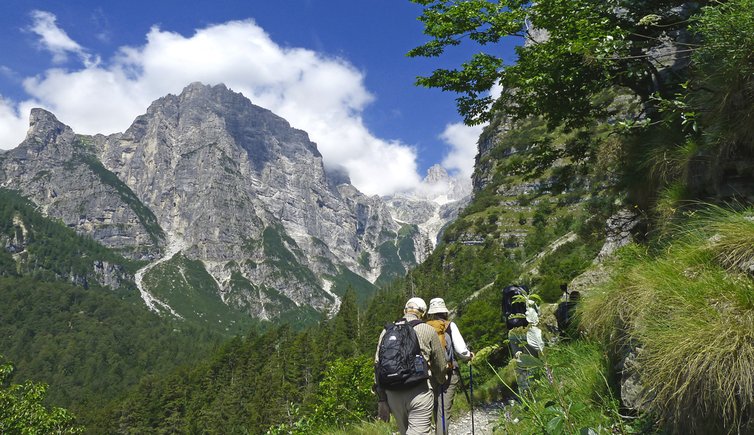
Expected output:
(514, 312)
(401, 364)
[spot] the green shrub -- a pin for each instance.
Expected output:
(22, 409)
(570, 394)
(561, 266)
(724, 67)
(344, 399)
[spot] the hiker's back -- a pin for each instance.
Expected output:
(408, 352)
(442, 327)
(400, 361)
(514, 306)
(454, 344)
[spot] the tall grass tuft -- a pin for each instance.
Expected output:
(669, 200)
(732, 236)
(690, 308)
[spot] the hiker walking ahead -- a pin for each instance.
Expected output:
(566, 316)
(450, 337)
(408, 361)
(524, 336)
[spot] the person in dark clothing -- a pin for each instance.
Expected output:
(566, 316)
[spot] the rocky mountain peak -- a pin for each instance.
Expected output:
(440, 187)
(200, 90)
(207, 185)
(433, 204)
(44, 128)
(216, 114)
(436, 174)
(40, 116)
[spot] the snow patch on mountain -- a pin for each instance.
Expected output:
(433, 205)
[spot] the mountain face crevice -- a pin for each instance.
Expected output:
(263, 226)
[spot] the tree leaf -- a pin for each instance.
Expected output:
(528, 361)
(555, 425)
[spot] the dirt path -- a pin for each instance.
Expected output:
(486, 417)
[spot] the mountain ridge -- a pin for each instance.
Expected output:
(211, 176)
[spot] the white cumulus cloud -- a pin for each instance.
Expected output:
(322, 95)
(463, 142)
(54, 39)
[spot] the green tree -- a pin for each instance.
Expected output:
(345, 394)
(22, 409)
(680, 104)
(345, 326)
(574, 50)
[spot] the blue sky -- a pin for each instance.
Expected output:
(334, 68)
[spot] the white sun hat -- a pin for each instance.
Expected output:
(436, 306)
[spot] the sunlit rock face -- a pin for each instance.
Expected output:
(210, 175)
(433, 205)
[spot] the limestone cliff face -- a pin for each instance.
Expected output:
(434, 205)
(210, 175)
(55, 169)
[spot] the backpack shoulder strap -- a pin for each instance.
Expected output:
(415, 322)
(449, 339)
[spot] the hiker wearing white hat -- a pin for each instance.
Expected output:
(408, 383)
(455, 348)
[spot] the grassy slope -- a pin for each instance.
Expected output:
(689, 304)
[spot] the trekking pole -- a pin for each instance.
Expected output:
(471, 403)
(442, 403)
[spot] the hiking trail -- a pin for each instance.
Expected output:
(486, 417)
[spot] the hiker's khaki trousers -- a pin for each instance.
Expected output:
(412, 409)
(447, 400)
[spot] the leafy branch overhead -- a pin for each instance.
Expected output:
(568, 52)
(687, 66)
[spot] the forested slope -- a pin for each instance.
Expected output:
(60, 326)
